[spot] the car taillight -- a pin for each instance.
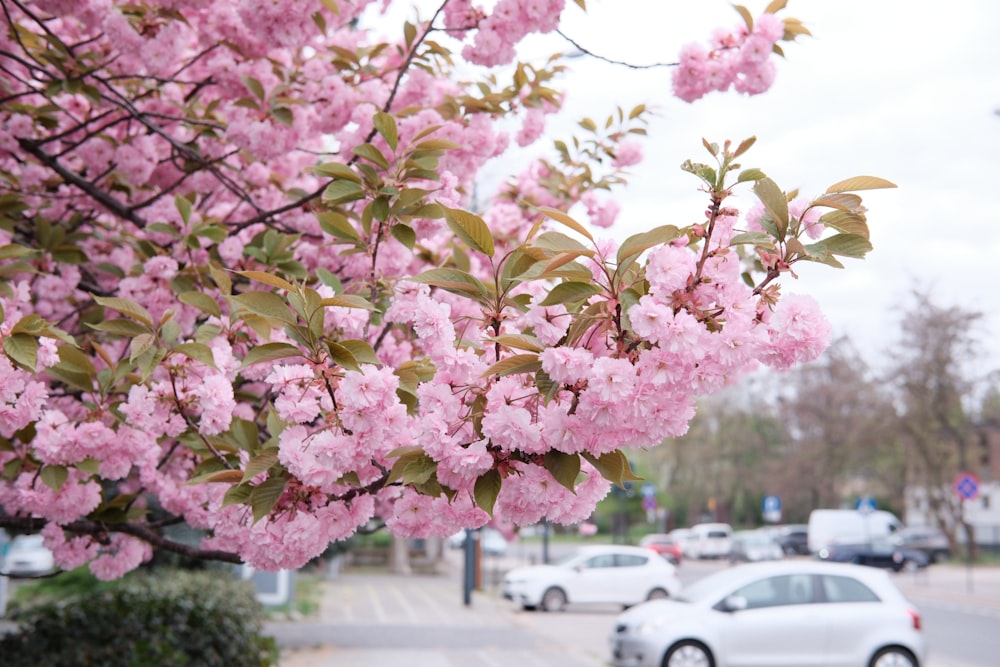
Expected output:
(914, 618)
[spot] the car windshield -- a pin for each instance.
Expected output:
(712, 588)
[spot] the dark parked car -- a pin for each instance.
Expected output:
(793, 538)
(932, 542)
(882, 554)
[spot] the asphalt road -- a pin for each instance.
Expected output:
(381, 620)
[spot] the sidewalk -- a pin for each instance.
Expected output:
(385, 620)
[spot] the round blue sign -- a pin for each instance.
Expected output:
(967, 486)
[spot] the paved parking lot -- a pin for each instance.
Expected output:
(381, 620)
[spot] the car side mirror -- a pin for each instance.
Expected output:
(580, 568)
(734, 603)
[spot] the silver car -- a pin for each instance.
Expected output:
(776, 613)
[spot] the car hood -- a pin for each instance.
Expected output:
(665, 609)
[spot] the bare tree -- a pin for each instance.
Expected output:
(934, 373)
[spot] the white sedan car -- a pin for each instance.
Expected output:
(776, 613)
(593, 575)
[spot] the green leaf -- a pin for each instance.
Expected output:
(518, 363)
(347, 301)
(270, 352)
(22, 349)
(565, 468)
(775, 202)
(237, 495)
(266, 305)
(750, 175)
(120, 327)
(861, 183)
(197, 351)
(386, 126)
(566, 220)
(126, 307)
(337, 170)
(519, 342)
(404, 234)
(260, 463)
(471, 229)
(254, 86)
(268, 279)
(140, 345)
(201, 301)
(265, 495)
(372, 154)
(14, 251)
(183, 207)
(453, 280)
(340, 192)
(337, 225)
(487, 489)
(754, 238)
(639, 243)
(846, 245)
(412, 465)
(570, 292)
(342, 356)
(613, 466)
(849, 223)
(362, 351)
(54, 476)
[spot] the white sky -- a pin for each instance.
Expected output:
(902, 89)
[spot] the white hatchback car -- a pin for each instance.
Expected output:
(28, 556)
(776, 613)
(604, 574)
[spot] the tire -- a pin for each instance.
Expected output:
(909, 565)
(554, 599)
(690, 654)
(658, 594)
(893, 656)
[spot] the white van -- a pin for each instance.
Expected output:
(828, 527)
(709, 540)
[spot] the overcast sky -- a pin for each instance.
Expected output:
(902, 89)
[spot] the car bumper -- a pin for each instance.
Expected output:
(632, 651)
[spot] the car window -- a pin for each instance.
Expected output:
(846, 589)
(777, 591)
(630, 560)
(603, 560)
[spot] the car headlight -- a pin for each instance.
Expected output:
(650, 625)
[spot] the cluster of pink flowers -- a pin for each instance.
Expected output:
(508, 24)
(139, 319)
(739, 58)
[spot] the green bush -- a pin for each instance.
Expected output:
(169, 617)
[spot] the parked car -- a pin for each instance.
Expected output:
(749, 546)
(665, 545)
(793, 538)
(929, 540)
(492, 540)
(605, 574)
(878, 553)
(790, 612)
(708, 540)
(28, 556)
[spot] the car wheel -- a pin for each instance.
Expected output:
(909, 565)
(691, 654)
(893, 656)
(657, 594)
(554, 600)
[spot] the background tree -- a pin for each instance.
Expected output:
(940, 386)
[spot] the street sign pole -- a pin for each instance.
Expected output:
(966, 487)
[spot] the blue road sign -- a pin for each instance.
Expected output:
(648, 490)
(771, 504)
(967, 486)
(865, 504)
